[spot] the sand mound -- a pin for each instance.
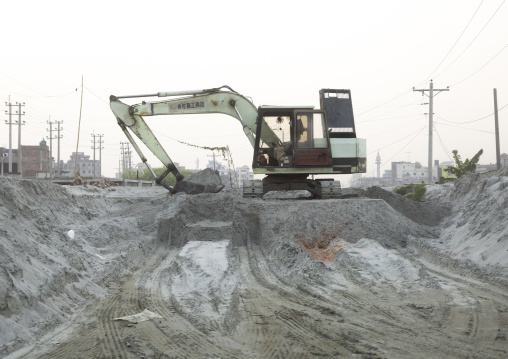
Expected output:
(213, 259)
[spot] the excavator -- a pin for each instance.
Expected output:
(290, 143)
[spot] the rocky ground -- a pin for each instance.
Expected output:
(376, 276)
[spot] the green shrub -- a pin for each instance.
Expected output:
(413, 192)
(404, 190)
(418, 193)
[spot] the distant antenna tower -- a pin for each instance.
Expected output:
(378, 164)
(197, 163)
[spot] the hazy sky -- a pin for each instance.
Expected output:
(277, 53)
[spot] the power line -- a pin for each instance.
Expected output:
(481, 68)
(403, 138)
(396, 128)
(384, 103)
(482, 118)
(407, 144)
(386, 113)
(442, 144)
(392, 118)
(467, 47)
(100, 98)
(462, 33)
(35, 91)
(465, 128)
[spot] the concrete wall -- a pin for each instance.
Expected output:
(138, 183)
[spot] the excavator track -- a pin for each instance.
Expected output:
(329, 189)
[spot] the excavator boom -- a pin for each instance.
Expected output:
(194, 102)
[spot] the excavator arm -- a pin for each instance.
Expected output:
(187, 102)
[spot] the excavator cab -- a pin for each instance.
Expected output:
(302, 138)
(293, 143)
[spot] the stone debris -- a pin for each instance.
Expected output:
(105, 183)
(78, 180)
(205, 181)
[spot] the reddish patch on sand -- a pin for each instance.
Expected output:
(321, 248)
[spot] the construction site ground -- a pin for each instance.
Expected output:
(377, 276)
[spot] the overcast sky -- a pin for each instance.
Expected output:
(277, 53)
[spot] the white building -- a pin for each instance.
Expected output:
(407, 172)
(85, 166)
(244, 174)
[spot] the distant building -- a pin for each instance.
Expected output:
(244, 174)
(84, 165)
(35, 161)
(5, 161)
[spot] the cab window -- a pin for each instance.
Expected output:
(311, 130)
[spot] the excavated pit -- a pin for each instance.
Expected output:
(374, 276)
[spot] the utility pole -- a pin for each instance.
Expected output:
(58, 129)
(129, 156)
(212, 155)
(431, 124)
(59, 137)
(10, 133)
(51, 147)
(123, 157)
(101, 141)
(498, 150)
(93, 148)
(20, 154)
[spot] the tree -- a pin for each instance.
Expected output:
(462, 168)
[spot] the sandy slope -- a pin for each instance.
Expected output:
(372, 277)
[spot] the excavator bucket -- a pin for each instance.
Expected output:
(205, 181)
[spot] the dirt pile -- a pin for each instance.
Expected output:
(476, 232)
(45, 275)
(246, 278)
(429, 214)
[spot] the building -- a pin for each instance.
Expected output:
(244, 174)
(35, 161)
(84, 165)
(4, 170)
(218, 166)
(401, 173)
(241, 174)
